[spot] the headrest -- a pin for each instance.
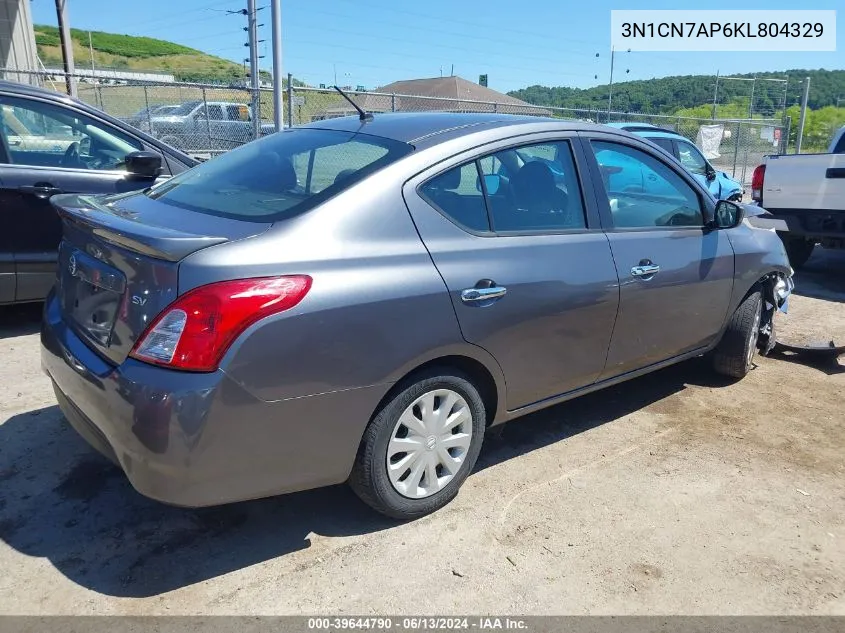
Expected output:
(343, 175)
(534, 176)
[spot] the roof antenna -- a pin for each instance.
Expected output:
(362, 114)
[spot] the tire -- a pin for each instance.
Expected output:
(734, 354)
(798, 250)
(371, 479)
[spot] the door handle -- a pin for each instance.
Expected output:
(478, 295)
(40, 191)
(645, 271)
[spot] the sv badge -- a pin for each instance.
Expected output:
(138, 301)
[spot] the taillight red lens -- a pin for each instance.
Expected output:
(757, 183)
(196, 330)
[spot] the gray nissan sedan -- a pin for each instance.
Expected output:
(357, 300)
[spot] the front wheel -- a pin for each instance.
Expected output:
(421, 446)
(734, 354)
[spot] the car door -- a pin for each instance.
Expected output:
(527, 267)
(8, 282)
(676, 276)
(52, 148)
(239, 120)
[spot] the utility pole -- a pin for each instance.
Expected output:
(751, 103)
(278, 97)
(610, 94)
(715, 95)
(803, 115)
(67, 48)
(91, 50)
(252, 30)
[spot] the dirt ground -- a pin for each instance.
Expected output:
(676, 493)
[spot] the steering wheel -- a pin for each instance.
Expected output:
(71, 157)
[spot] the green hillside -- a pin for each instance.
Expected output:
(667, 95)
(129, 52)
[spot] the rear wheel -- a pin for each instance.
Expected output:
(798, 250)
(734, 354)
(421, 446)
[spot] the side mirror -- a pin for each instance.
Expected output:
(143, 164)
(728, 215)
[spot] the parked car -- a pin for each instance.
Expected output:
(805, 196)
(359, 300)
(207, 126)
(50, 143)
(722, 186)
(142, 118)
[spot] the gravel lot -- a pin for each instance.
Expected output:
(674, 493)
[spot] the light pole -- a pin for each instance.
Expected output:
(278, 97)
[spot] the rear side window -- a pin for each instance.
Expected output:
(533, 188)
(665, 143)
(457, 193)
(279, 175)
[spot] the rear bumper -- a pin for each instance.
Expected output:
(822, 226)
(200, 439)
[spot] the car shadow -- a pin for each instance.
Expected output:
(823, 276)
(20, 320)
(565, 420)
(61, 501)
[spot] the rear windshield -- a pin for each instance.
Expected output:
(279, 175)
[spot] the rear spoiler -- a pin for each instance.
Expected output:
(123, 230)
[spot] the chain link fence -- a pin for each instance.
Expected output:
(205, 120)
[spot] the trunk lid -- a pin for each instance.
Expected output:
(119, 259)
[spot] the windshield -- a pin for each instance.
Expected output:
(279, 175)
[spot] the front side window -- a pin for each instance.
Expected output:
(691, 158)
(279, 175)
(644, 192)
(525, 189)
(44, 135)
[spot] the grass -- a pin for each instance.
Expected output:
(136, 53)
(113, 43)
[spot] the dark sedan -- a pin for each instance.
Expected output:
(49, 144)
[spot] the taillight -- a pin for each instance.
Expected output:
(195, 331)
(757, 183)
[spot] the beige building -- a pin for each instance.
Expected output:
(448, 94)
(17, 41)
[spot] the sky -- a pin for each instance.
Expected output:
(375, 42)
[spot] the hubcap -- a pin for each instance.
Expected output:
(429, 443)
(755, 334)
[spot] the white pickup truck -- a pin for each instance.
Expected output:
(805, 194)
